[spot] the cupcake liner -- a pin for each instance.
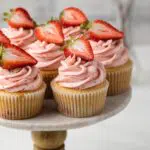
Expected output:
(80, 103)
(119, 78)
(21, 105)
(48, 76)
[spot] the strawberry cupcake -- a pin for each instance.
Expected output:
(21, 27)
(21, 86)
(71, 18)
(47, 51)
(108, 48)
(80, 88)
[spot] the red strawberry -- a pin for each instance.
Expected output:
(72, 17)
(19, 17)
(3, 38)
(13, 57)
(80, 48)
(101, 30)
(50, 32)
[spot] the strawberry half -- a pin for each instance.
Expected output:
(79, 48)
(51, 32)
(101, 30)
(3, 38)
(72, 17)
(18, 18)
(12, 57)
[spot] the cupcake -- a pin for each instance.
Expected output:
(80, 88)
(21, 86)
(21, 27)
(108, 48)
(49, 57)
(47, 51)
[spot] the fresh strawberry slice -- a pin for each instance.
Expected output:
(19, 17)
(13, 57)
(3, 38)
(101, 30)
(72, 17)
(79, 48)
(51, 32)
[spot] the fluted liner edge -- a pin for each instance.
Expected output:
(119, 79)
(22, 105)
(83, 103)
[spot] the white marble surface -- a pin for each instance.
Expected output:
(128, 130)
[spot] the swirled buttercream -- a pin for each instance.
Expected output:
(74, 32)
(110, 53)
(20, 79)
(19, 37)
(48, 56)
(74, 73)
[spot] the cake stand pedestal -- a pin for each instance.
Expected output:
(49, 129)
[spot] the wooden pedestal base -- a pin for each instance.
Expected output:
(53, 140)
(37, 148)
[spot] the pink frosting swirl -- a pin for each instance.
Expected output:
(73, 73)
(48, 56)
(20, 79)
(19, 37)
(110, 53)
(74, 32)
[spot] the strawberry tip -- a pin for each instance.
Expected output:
(53, 19)
(7, 16)
(1, 51)
(61, 14)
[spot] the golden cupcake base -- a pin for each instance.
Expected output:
(80, 103)
(21, 105)
(48, 76)
(119, 78)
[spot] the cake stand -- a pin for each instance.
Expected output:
(49, 129)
